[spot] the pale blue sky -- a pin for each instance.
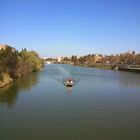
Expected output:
(66, 27)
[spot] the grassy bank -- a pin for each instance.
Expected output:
(99, 66)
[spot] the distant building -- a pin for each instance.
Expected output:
(3, 47)
(48, 62)
(78, 57)
(97, 58)
(59, 59)
(7, 46)
(44, 58)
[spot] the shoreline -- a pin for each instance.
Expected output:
(16, 64)
(106, 67)
(134, 70)
(6, 80)
(113, 67)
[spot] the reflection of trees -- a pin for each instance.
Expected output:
(27, 82)
(8, 94)
(129, 80)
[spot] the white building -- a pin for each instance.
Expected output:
(48, 62)
(7, 46)
(59, 59)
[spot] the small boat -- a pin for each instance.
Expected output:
(69, 82)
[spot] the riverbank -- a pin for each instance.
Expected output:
(99, 66)
(15, 64)
(134, 68)
(5, 80)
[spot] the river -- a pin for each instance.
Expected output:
(102, 105)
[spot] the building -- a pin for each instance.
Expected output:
(3, 47)
(97, 58)
(59, 59)
(48, 62)
(7, 46)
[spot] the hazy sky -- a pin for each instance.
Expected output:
(66, 27)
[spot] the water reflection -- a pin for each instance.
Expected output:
(69, 90)
(9, 94)
(129, 80)
(90, 76)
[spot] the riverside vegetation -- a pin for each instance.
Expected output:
(106, 61)
(15, 64)
(101, 61)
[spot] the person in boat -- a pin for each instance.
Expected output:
(69, 82)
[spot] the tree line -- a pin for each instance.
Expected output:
(130, 58)
(18, 63)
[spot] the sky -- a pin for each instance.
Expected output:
(71, 27)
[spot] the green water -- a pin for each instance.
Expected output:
(103, 105)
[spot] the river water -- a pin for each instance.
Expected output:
(102, 105)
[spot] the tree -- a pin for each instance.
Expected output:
(74, 59)
(137, 59)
